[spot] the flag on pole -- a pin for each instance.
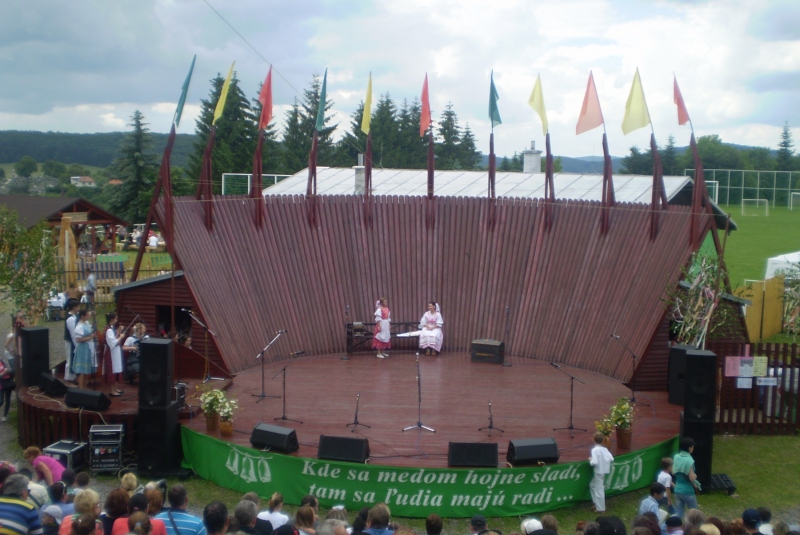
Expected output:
(367, 107)
(223, 95)
(494, 112)
(265, 98)
(536, 101)
(683, 113)
(591, 115)
(636, 113)
(322, 100)
(425, 114)
(184, 91)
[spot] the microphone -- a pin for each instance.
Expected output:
(186, 310)
(281, 331)
(508, 310)
(298, 353)
(615, 336)
(553, 364)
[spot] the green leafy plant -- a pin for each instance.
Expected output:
(622, 414)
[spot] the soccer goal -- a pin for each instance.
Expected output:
(755, 207)
(713, 190)
(236, 183)
(794, 198)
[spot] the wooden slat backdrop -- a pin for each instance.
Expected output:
(567, 289)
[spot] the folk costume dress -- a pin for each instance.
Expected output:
(432, 336)
(83, 364)
(383, 336)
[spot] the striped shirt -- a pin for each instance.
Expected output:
(187, 524)
(18, 517)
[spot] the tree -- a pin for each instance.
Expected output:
(783, 158)
(353, 142)
(449, 133)
(26, 166)
(637, 162)
(411, 146)
(669, 158)
(469, 156)
(19, 185)
(54, 169)
(137, 168)
(270, 151)
(715, 154)
(557, 165)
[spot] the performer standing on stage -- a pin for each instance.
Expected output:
(431, 323)
(113, 366)
(84, 336)
(382, 340)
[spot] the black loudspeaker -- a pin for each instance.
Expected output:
(492, 351)
(51, 386)
(274, 438)
(155, 372)
(35, 353)
(700, 403)
(472, 454)
(350, 449)
(703, 435)
(532, 451)
(677, 373)
(158, 439)
(87, 399)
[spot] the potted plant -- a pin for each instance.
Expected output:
(225, 411)
(622, 418)
(210, 403)
(606, 427)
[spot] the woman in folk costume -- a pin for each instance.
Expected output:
(382, 341)
(431, 325)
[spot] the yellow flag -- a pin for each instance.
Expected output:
(223, 95)
(636, 114)
(367, 107)
(537, 103)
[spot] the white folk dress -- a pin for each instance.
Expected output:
(432, 336)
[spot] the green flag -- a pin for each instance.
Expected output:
(494, 113)
(184, 91)
(322, 98)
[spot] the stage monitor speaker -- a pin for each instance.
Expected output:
(35, 353)
(350, 449)
(51, 386)
(677, 374)
(493, 351)
(158, 426)
(532, 451)
(274, 438)
(87, 399)
(155, 372)
(483, 454)
(703, 435)
(700, 403)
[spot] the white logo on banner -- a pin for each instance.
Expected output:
(248, 467)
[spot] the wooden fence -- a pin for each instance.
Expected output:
(759, 410)
(764, 316)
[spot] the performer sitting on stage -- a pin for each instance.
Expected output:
(431, 324)
(383, 338)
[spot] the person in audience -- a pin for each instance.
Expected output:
(246, 513)
(68, 477)
(651, 502)
(649, 521)
(177, 515)
(751, 520)
(766, 518)
(550, 522)
(641, 530)
(709, 529)
(116, 506)
(138, 504)
(155, 501)
(360, 522)
(611, 525)
(529, 525)
(129, 483)
(591, 528)
(601, 460)
(215, 518)
(736, 527)
(378, 520)
(51, 520)
(477, 524)
(58, 497)
(304, 520)
(780, 528)
(674, 525)
(665, 478)
(15, 510)
(82, 482)
(311, 501)
(37, 494)
(139, 523)
(685, 478)
(233, 525)
(45, 468)
(87, 506)
(334, 526)
(694, 518)
(718, 523)
(262, 527)
(433, 524)
(84, 525)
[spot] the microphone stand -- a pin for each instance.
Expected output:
(419, 405)
(346, 356)
(572, 380)
(632, 399)
(208, 376)
(283, 417)
(356, 423)
(491, 426)
(260, 355)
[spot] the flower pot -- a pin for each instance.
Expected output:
(624, 438)
(226, 428)
(212, 422)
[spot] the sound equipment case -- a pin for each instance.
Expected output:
(69, 453)
(105, 448)
(493, 351)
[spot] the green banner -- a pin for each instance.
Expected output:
(415, 492)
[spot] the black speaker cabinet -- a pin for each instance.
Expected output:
(677, 374)
(703, 435)
(51, 386)
(87, 399)
(472, 454)
(35, 353)
(350, 449)
(158, 439)
(532, 451)
(492, 351)
(701, 386)
(274, 438)
(155, 372)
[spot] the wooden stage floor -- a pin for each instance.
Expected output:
(528, 399)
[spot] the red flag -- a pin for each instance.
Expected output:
(591, 114)
(425, 116)
(683, 113)
(265, 98)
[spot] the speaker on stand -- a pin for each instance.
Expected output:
(155, 372)
(158, 433)
(35, 353)
(700, 410)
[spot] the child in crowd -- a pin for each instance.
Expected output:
(600, 460)
(51, 520)
(665, 478)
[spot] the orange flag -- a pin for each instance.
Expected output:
(591, 114)
(683, 113)
(425, 116)
(265, 98)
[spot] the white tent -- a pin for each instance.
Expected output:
(783, 263)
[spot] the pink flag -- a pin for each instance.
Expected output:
(591, 114)
(265, 98)
(683, 113)
(425, 116)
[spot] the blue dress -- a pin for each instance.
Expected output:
(82, 364)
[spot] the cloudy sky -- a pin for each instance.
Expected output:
(85, 66)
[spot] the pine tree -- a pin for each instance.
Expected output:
(783, 159)
(353, 142)
(669, 158)
(295, 145)
(270, 152)
(469, 157)
(449, 133)
(299, 130)
(412, 148)
(637, 162)
(385, 133)
(137, 167)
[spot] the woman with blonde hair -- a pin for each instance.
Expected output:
(87, 505)
(129, 483)
(304, 520)
(273, 514)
